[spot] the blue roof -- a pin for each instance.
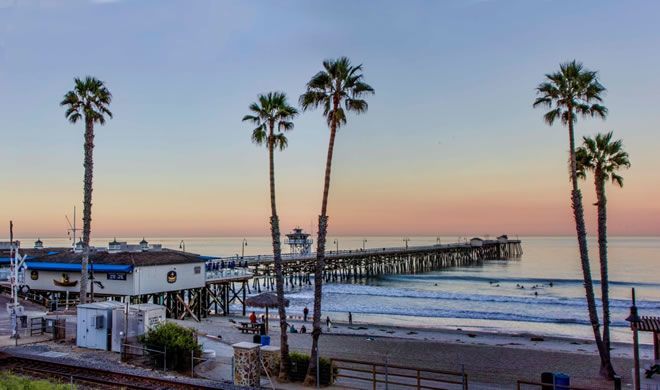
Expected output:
(45, 266)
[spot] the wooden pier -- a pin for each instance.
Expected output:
(355, 265)
(228, 280)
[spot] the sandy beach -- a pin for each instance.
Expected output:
(490, 360)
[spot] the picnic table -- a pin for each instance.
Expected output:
(249, 327)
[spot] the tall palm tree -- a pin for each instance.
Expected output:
(604, 157)
(338, 88)
(571, 92)
(272, 115)
(88, 101)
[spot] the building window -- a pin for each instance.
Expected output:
(198, 269)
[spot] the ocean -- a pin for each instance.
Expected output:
(488, 298)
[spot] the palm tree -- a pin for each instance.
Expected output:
(89, 101)
(272, 115)
(571, 92)
(338, 88)
(604, 157)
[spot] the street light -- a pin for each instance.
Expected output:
(363, 244)
(182, 246)
(336, 242)
(243, 245)
(634, 320)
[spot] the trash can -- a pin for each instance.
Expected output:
(549, 378)
(562, 381)
(265, 340)
(256, 339)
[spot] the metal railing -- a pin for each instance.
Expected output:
(253, 260)
(397, 375)
(228, 273)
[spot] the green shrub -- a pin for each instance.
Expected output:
(177, 341)
(300, 363)
(11, 382)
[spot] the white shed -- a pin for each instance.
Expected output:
(94, 326)
(476, 242)
(141, 318)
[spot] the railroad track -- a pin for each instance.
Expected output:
(93, 378)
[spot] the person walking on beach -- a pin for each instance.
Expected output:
(350, 318)
(328, 323)
(253, 318)
(305, 313)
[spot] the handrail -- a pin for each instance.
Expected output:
(377, 374)
(255, 260)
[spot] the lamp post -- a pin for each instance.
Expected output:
(634, 320)
(243, 245)
(182, 246)
(336, 242)
(363, 244)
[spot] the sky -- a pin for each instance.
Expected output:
(450, 144)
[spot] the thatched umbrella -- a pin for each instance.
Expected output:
(266, 300)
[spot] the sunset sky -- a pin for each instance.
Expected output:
(450, 144)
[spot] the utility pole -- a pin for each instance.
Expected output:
(15, 262)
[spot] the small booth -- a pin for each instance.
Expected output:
(476, 242)
(94, 328)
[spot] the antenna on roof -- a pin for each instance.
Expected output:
(72, 227)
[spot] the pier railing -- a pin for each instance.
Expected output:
(255, 260)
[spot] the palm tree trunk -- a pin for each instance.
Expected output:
(277, 259)
(310, 379)
(87, 205)
(578, 213)
(604, 279)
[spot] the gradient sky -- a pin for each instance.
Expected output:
(450, 145)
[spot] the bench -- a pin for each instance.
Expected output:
(247, 327)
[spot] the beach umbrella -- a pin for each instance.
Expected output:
(264, 300)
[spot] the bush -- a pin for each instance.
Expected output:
(300, 363)
(11, 382)
(178, 342)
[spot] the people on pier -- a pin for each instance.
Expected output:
(253, 317)
(305, 313)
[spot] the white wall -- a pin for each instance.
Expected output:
(111, 287)
(153, 279)
(143, 280)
